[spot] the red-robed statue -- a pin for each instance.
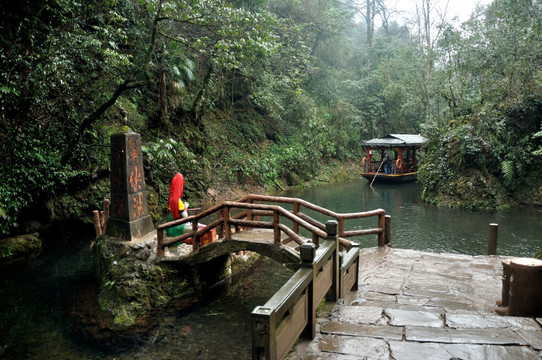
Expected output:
(176, 206)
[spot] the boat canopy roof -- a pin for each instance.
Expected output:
(395, 140)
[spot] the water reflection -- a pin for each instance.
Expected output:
(34, 324)
(416, 225)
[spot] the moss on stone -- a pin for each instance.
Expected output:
(130, 287)
(19, 247)
(124, 129)
(474, 190)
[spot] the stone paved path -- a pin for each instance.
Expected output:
(418, 305)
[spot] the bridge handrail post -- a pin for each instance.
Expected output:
(332, 235)
(276, 227)
(316, 240)
(382, 227)
(296, 212)
(387, 231)
(307, 253)
(227, 229)
(160, 242)
(264, 340)
(340, 229)
(250, 212)
(289, 309)
(220, 217)
(195, 238)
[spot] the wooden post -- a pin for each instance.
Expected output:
(387, 231)
(340, 227)
(100, 218)
(316, 240)
(296, 211)
(307, 252)
(160, 242)
(525, 287)
(195, 239)
(227, 229)
(331, 232)
(505, 295)
(250, 212)
(276, 229)
(105, 214)
(97, 223)
(492, 239)
(220, 215)
(382, 225)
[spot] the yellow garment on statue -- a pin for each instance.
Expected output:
(176, 230)
(181, 205)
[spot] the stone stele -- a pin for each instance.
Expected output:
(128, 218)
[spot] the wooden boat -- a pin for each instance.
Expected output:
(391, 158)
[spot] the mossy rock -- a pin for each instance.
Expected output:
(474, 190)
(130, 286)
(19, 247)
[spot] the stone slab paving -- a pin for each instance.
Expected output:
(418, 305)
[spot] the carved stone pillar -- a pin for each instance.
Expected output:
(128, 211)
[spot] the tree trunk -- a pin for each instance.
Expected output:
(162, 100)
(196, 112)
(370, 20)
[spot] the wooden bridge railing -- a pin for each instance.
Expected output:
(251, 211)
(383, 238)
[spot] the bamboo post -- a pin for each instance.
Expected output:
(492, 239)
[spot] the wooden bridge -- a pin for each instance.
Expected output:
(326, 263)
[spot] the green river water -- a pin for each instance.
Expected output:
(34, 294)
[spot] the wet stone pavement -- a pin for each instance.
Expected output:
(419, 305)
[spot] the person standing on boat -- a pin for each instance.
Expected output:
(386, 163)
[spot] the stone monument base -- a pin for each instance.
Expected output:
(129, 230)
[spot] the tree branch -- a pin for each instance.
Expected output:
(90, 119)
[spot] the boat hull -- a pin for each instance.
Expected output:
(390, 178)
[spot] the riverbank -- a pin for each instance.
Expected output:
(413, 304)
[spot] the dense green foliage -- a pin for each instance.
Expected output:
(260, 92)
(484, 149)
